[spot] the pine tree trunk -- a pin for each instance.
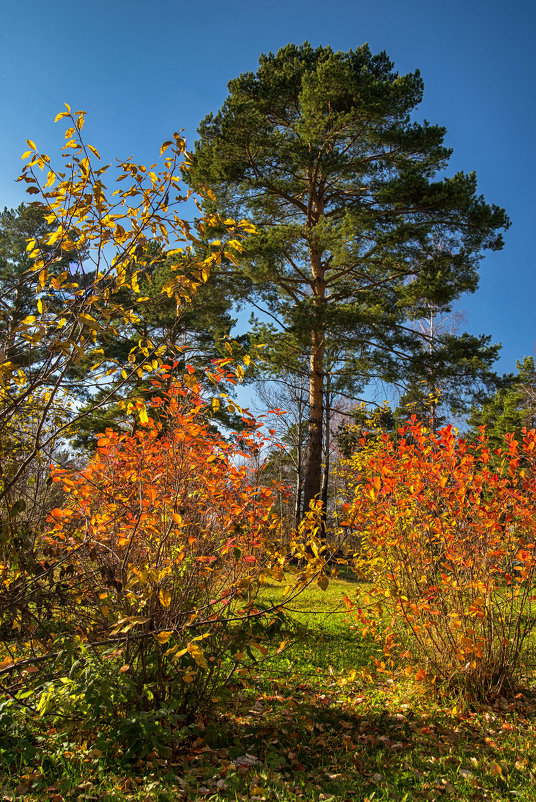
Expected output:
(313, 460)
(312, 484)
(327, 443)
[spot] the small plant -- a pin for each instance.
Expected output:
(448, 536)
(95, 698)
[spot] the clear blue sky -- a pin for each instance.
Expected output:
(145, 69)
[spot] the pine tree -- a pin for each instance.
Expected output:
(512, 408)
(357, 234)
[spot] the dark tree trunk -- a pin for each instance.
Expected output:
(313, 461)
(327, 438)
(312, 484)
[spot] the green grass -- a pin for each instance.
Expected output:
(300, 728)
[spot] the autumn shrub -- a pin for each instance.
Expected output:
(448, 537)
(159, 553)
(74, 286)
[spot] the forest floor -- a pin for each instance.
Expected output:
(307, 726)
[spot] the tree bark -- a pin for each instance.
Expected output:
(313, 459)
(327, 444)
(312, 483)
(299, 461)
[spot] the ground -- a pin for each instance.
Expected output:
(306, 725)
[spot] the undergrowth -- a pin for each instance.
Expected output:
(305, 725)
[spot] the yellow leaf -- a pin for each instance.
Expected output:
(197, 654)
(144, 417)
(163, 637)
(202, 637)
(50, 178)
(165, 597)
(323, 582)
(215, 404)
(61, 115)
(126, 624)
(94, 151)
(31, 144)
(178, 654)
(40, 306)
(55, 236)
(164, 147)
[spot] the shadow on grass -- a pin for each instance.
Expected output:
(305, 745)
(289, 739)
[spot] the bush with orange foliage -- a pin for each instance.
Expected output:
(166, 536)
(448, 534)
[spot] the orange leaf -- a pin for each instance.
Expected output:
(57, 513)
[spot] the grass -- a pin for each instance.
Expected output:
(306, 725)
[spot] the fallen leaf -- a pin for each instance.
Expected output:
(467, 775)
(246, 760)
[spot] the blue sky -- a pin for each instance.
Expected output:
(143, 70)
